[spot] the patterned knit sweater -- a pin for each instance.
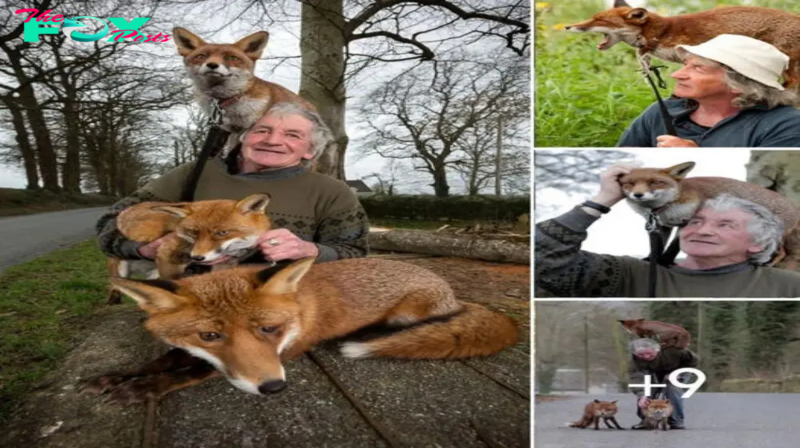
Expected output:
(563, 269)
(315, 207)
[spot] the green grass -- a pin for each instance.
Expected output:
(43, 309)
(14, 201)
(585, 97)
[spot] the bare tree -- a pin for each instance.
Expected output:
(429, 116)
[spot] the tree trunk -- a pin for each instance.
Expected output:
(24, 144)
(322, 46)
(440, 187)
(46, 155)
(71, 176)
(465, 246)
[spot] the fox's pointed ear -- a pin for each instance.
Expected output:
(621, 3)
(596, 400)
(178, 211)
(637, 16)
(254, 44)
(186, 41)
(253, 203)
(614, 402)
(679, 171)
(286, 280)
(151, 295)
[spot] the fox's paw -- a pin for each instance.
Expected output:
(104, 383)
(356, 350)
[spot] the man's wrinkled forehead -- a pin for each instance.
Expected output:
(693, 59)
(735, 215)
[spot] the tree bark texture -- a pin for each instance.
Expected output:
(465, 246)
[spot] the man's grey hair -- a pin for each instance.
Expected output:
(751, 93)
(321, 135)
(640, 345)
(765, 228)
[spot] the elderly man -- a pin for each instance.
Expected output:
(648, 358)
(727, 94)
(726, 242)
(314, 215)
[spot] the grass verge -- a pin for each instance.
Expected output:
(43, 309)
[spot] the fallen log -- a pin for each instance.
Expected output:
(451, 245)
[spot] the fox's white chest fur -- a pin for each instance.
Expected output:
(239, 115)
(671, 215)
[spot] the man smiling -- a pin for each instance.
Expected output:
(726, 242)
(726, 95)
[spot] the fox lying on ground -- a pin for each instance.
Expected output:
(223, 76)
(247, 321)
(653, 34)
(595, 411)
(657, 414)
(668, 334)
(675, 198)
(218, 232)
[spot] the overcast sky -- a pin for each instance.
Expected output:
(621, 232)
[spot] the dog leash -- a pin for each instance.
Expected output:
(214, 142)
(668, 123)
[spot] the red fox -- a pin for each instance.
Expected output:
(653, 34)
(668, 334)
(218, 232)
(596, 410)
(675, 198)
(657, 414)
(248, 321)
(223, 76)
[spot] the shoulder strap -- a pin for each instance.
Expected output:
(214, 142)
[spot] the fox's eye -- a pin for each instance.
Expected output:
(223, 233)
(268, 330)
(231, 58)
(209, 336)
(199, 57)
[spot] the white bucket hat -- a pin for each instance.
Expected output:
(752, 58)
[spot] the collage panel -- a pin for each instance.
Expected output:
(718, 223)
(666, 373)
(667, 73)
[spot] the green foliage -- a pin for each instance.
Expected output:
(41, 304)
(770, 325)
(585, 97)
(431, 208)
(21, 202)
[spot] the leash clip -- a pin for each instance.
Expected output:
(216, 113)
(653, 223)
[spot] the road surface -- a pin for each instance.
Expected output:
(23, 238)
(713, 420)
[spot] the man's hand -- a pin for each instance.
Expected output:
(610, 190)
(643, 402)
(281, 244)
(670, 141)
(150, 249)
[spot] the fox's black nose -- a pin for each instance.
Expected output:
(198, 257)
(638, 195)
(212, 65)
(270, 387)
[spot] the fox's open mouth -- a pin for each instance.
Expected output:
(606, 43)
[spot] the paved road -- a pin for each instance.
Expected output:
(23, 238)
(714, 420)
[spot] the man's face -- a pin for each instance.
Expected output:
(698, 80)
(277, 142)
(647, 354)
(719, 235)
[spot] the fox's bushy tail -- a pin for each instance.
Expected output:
(475, 331)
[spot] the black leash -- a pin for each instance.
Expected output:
(215, 141)
(668, 123)
(656, 249)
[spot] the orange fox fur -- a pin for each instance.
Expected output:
(676, 198)
(248, 321)
(595, 411)
(668, 334)
(657, 413)
(653, 34)
(201, 232)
